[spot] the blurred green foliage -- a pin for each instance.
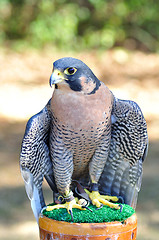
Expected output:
(80, 24)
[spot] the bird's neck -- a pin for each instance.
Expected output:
(78, 110)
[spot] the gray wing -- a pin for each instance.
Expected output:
(122, 174)
(35, 160)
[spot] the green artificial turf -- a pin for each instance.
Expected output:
(104, 214)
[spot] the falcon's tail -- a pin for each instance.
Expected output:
(34, 194)
(116, 182)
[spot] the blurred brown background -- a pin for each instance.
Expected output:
(129, 67)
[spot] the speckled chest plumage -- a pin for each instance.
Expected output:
(79, 127)
(80, 143)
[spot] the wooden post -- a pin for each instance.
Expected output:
(59, 230)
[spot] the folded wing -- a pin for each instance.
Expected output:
(35, 163)
(122, 174)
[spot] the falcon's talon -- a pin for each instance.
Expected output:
(120, 199)
(87, 208)
(71, 213)
(121, 208)
(44, 208)
(100, 207)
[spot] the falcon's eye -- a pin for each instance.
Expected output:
(70, 71)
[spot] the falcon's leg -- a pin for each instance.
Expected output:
(63, 170)
(96, 168)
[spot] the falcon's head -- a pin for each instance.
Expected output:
(74, 74)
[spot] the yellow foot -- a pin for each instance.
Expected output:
(97, 199)
(69, 206)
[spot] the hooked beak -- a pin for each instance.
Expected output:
(56, 77)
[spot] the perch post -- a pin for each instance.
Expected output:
(60, 230)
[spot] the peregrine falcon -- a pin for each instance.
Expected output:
(83, 134)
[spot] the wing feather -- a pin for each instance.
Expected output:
(35, 162)
(122, 174)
